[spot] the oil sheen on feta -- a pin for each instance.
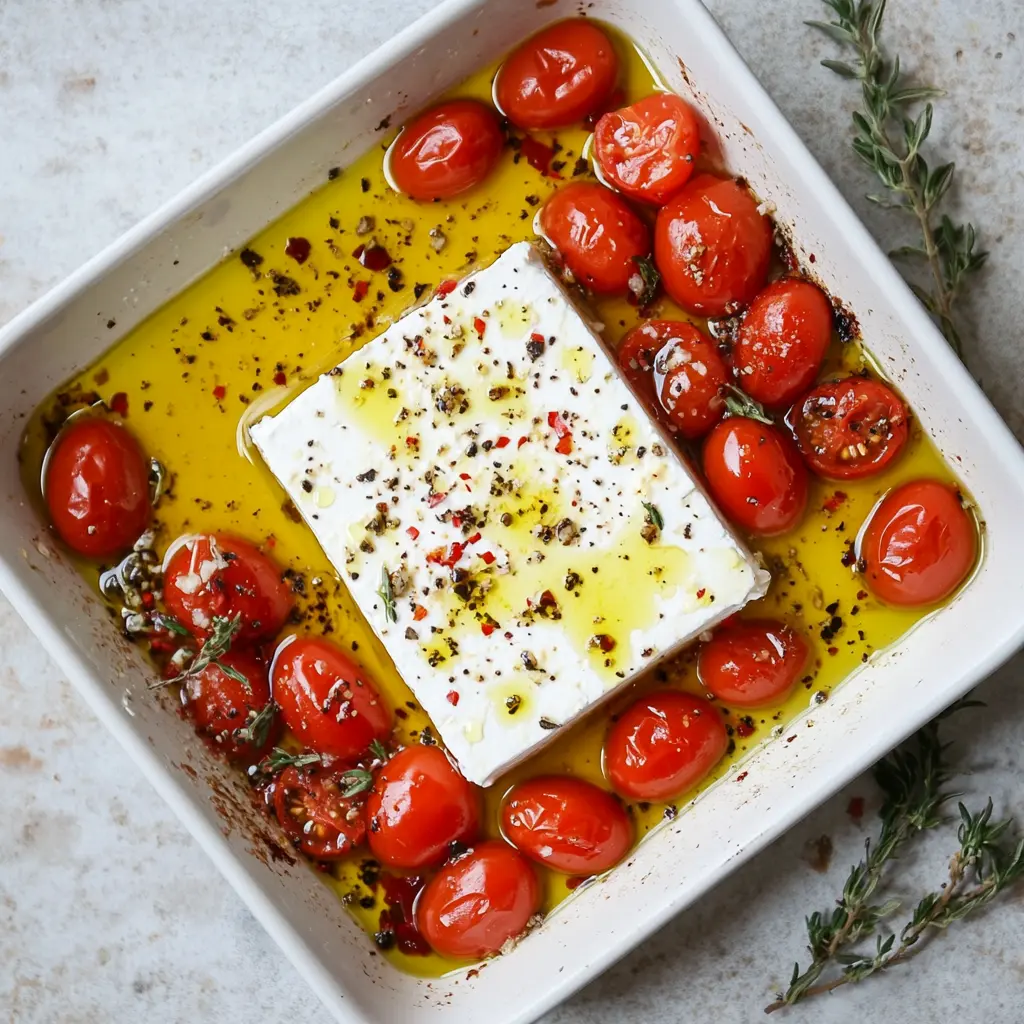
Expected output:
(504, 512)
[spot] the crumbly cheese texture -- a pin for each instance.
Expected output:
(504, 512)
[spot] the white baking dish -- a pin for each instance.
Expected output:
(781, 781)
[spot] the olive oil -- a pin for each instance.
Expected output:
(262, 325)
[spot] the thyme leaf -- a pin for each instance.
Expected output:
(278, 759)
(256, 731)
(386, 593)
(645, 290)
(654, 517)
(739, 403)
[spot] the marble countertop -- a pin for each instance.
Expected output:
(108, 910)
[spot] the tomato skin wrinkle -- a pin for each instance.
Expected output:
(919, 545)
(96, 487)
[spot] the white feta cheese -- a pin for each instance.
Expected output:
(484, 457)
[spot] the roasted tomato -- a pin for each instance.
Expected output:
(755, 474)
(567, 824)
(446, 150)
(679, 366)
(216, 576)
(597, 234)
(848, 429)
(223, 708)
(326, 699)
(782, 341)
(752, 663)
(478, 901)
(418, 807)
(712, 246)
(919, 544)
(96, 485)
(663, 744)
(320, 821)
(647, 150)
(558, 77)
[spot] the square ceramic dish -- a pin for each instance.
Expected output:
(894, 693)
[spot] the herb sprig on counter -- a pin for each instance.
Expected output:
(889, 139)
(914, 780)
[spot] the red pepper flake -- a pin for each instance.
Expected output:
(435, 499)
(447, 287)
(413, 532)
(453, 698)
(447, 318)
(400, 892)
(502, 442)
(447, 557)
(537, 337)
(419, 613)
(412, 442)
(855, 808)
(789, 739)
(298, 248)
(360, 291)
(219, 392)
(522, 441)
(456, 522)
(473, 539)
(575, 882)
(119, 404)
(538, 156)
(373, 257)
(547, 600)
(280, 379)
(742, 776)
(480, 326)
(701, 592)
(833, 651)
(147, 599)
(862, 595)
(486, 628)
(561, 428)
(465, 476)
(832, 503)
(745, 726)
(564, 446)
(488, 557)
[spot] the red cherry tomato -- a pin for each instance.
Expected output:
(755, 475)
(782, 341)
(597, 233)
(222, 706)
(647, 150)
(753, 662)
(96, 487)
(558, 77)
(851, 428)
(919, 545)
(446, 150)
(326, 699)
(418, 807)
(673, 360)
(664, 744)
(712, 246)
(320, 821)
(209, 576)
(479, 901)
(567, 824)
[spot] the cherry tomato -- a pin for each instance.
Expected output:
(753, 662)
(597, 233)
(222, 706)
(712, 246)
(96, 487)
(446, 150)
(755, 474)
(663, 744)
(919, 544)
(477, 902)
(326, 699)
(851, 428)
(567, 824)
(680, 365)
(418, 807)
(782, 341)
(647, 150)
(215, 575)
(315, 816)
(558, 77)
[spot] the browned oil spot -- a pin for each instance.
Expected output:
(19, 759)
(546, 3)
(818, 853)
(79, 83)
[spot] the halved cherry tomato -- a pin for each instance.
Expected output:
(848, 429)
(326, 699)
(96, 487)
(208, 576)
(597, 233)
(221, 706)
(647, 150)
(557, 77)
(663, 744)
(320, 821)
(919, 544)
(712, 246)
(756, 476)
(782, 341)
(418, 807)
(753, 662)
(446, 150)
(567, 824)
(477, 902)
(680, 365)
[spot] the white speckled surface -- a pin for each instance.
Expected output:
(108, 911)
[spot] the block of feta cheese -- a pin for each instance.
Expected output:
(504, 512)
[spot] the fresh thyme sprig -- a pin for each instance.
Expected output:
(889, 140)
(913, 780)
(216, 645)
(739, 403)
(387, 594)
(257, 730)
(357, 780)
